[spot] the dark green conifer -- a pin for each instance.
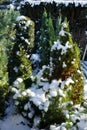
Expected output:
(47, 37)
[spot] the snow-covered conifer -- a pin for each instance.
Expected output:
(65, 61)
(20, 65)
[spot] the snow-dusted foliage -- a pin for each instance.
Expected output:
(44, 99)
(25, 31)
(48, 100)
(64, 53)
(65, 61)
(19, 61)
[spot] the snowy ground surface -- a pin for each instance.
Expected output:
(14, 121)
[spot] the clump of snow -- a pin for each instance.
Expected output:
(58, 46)
(22, 17)
(35, 58)
(20, 80)
(64, 65)
(17, 82)
(69, 81)
(26, 40)
(15, 69)
(62, 32)
(11, 6)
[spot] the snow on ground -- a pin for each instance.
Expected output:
(83, 123)
(13, 120)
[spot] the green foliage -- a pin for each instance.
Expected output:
(47, 37)
(3, 1)
(77, 88)
(25, 33)
(58, 25)
(54, 90)
(19, 61)
(7, 19)
(65, 54)
(54, 115)
(3, 78)
(6, 32)
(25, 69)
(3, 94)
(65, 61)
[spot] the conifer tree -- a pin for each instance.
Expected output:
(54, 90)
(47, 37)
(65, 61)
(19, 62)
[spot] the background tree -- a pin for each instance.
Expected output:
(47, 37)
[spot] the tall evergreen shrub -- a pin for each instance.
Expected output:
(65, 61)
(19, 63)
(47, 37)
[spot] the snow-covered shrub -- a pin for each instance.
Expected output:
(19, 61)
(48, 102)
(65, 61)
(45, 103)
